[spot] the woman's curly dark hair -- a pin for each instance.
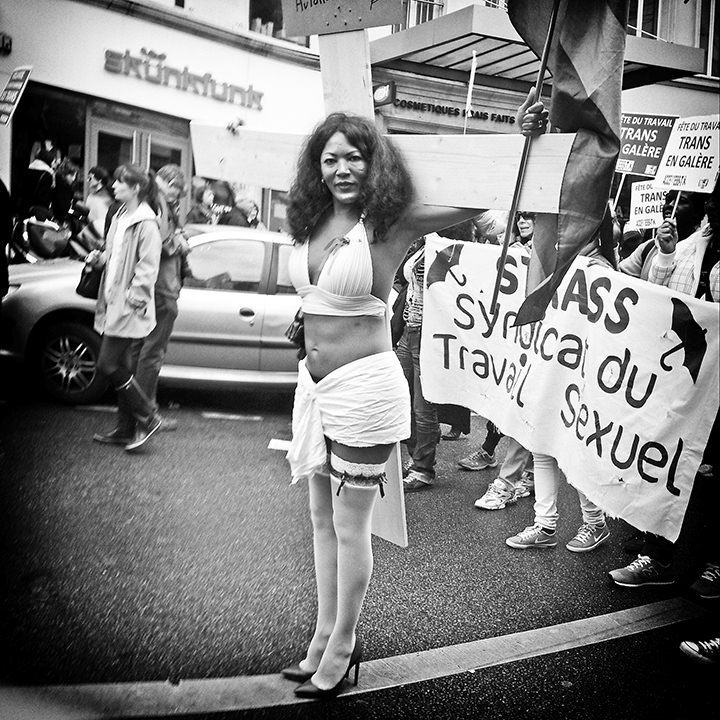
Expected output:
(387, 189)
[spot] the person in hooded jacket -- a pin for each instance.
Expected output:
(125, 310)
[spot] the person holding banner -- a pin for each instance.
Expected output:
(516, 477)
(688, 211)
(541, 534)
(547, 478)
(353, 215)
(691, 267)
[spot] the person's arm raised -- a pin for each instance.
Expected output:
(419, 219)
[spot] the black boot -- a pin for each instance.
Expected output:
(147, 421)
(116, 436)
(124, 430)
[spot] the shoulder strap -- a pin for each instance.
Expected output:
(647, 249)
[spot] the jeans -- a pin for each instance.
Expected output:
(517, 460)
(115, 359)
(425, 429)
(547, 485)
(151, 351)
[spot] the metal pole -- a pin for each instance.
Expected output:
(524, 158)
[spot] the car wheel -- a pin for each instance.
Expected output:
(67, 364)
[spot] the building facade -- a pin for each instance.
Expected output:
(115, 82)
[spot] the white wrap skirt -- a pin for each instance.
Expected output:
(361, 404)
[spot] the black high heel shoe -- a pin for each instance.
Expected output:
(296, 673)
(308, 690)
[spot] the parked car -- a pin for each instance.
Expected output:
(233, 313)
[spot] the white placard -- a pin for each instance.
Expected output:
(646, 204)
(692, 156)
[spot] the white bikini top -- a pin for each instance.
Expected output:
(345, 281)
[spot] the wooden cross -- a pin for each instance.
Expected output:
(473, 171)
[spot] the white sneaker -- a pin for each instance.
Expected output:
(532, 537)
(588, 537)
(497, 496)
(525, 486)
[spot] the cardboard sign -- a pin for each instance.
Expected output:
(322, 17)
(11, 94)
(618, 382)
(646, 204)
(692, 156)
(643, 139)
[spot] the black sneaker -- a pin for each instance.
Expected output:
(143, 434)
(705, 651)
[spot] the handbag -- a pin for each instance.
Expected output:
(89, 285)
(296, 333)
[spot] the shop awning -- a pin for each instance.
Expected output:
(443, 48)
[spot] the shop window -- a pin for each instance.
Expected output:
(644, 18)
(422, 11)
(266, 17)
(46, 114)
(275, 204)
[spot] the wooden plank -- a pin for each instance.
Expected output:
(452, 170)
(345, 72)
(389, 517)
(247, 156)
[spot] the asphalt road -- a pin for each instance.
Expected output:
(193, 561)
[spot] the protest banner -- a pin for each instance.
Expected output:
(643, 141)
(691, 159)
(12, 92)
(618, 382)
(646, 204)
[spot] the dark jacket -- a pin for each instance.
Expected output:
(37, 190)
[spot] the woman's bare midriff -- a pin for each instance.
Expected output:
(332, 341)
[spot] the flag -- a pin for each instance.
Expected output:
(586, 62)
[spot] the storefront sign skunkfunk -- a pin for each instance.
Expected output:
(619, 381)
(150, 67)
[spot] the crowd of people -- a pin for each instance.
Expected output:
(134, 237)
(359, 231)
(682, 254)
(52, 190)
